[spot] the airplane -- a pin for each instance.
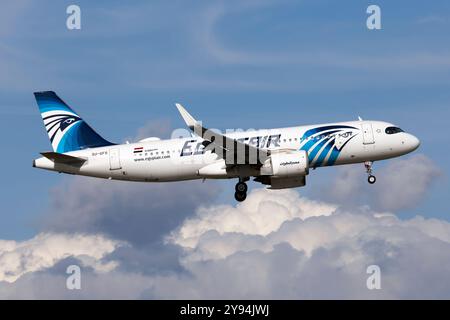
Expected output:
(278, 158)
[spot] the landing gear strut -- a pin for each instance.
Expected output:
(371, 178)
(241, 190)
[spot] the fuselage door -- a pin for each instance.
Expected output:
(367, 133)
(114, 159)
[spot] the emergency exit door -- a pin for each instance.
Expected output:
(367, 133)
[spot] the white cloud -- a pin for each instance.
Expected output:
(261, 214)
(317, 255)
(89, 205)
(270, 218)
(405, 181)
(46, 249)
(276, 245)
(401, 184)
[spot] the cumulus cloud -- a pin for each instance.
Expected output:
(261, 214)
(296, 249)
(46, 249)
(153, 241)
(402, 184)
(51, 285)
(138, 213)
(322, 255)
(405, 182)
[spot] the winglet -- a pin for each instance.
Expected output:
(190, 121)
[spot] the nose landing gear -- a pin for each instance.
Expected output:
(241, 190)
(371, 178)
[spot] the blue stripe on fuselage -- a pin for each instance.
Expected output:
(324, 153)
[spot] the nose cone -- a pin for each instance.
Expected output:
(413, 142)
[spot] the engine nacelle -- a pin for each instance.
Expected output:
(289, 164)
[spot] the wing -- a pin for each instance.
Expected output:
(231, 150)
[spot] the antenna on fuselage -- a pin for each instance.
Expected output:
(360, 119)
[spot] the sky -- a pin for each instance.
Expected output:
(233, 64)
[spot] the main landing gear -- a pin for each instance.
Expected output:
(371, 178)
(241, 190)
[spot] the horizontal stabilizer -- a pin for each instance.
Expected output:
(63, 158)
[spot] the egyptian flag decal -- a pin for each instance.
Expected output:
(138, 149)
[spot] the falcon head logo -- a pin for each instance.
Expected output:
(59, 123)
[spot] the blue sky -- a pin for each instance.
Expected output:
(235, 64)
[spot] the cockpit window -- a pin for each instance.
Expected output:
(392, 130)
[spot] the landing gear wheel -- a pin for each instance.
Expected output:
(371, 178)
(241, 187)
(240, 196)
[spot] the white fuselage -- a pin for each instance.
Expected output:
(185, 159)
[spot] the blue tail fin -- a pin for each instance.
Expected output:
(66, 130)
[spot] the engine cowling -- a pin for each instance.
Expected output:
(289, 164)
